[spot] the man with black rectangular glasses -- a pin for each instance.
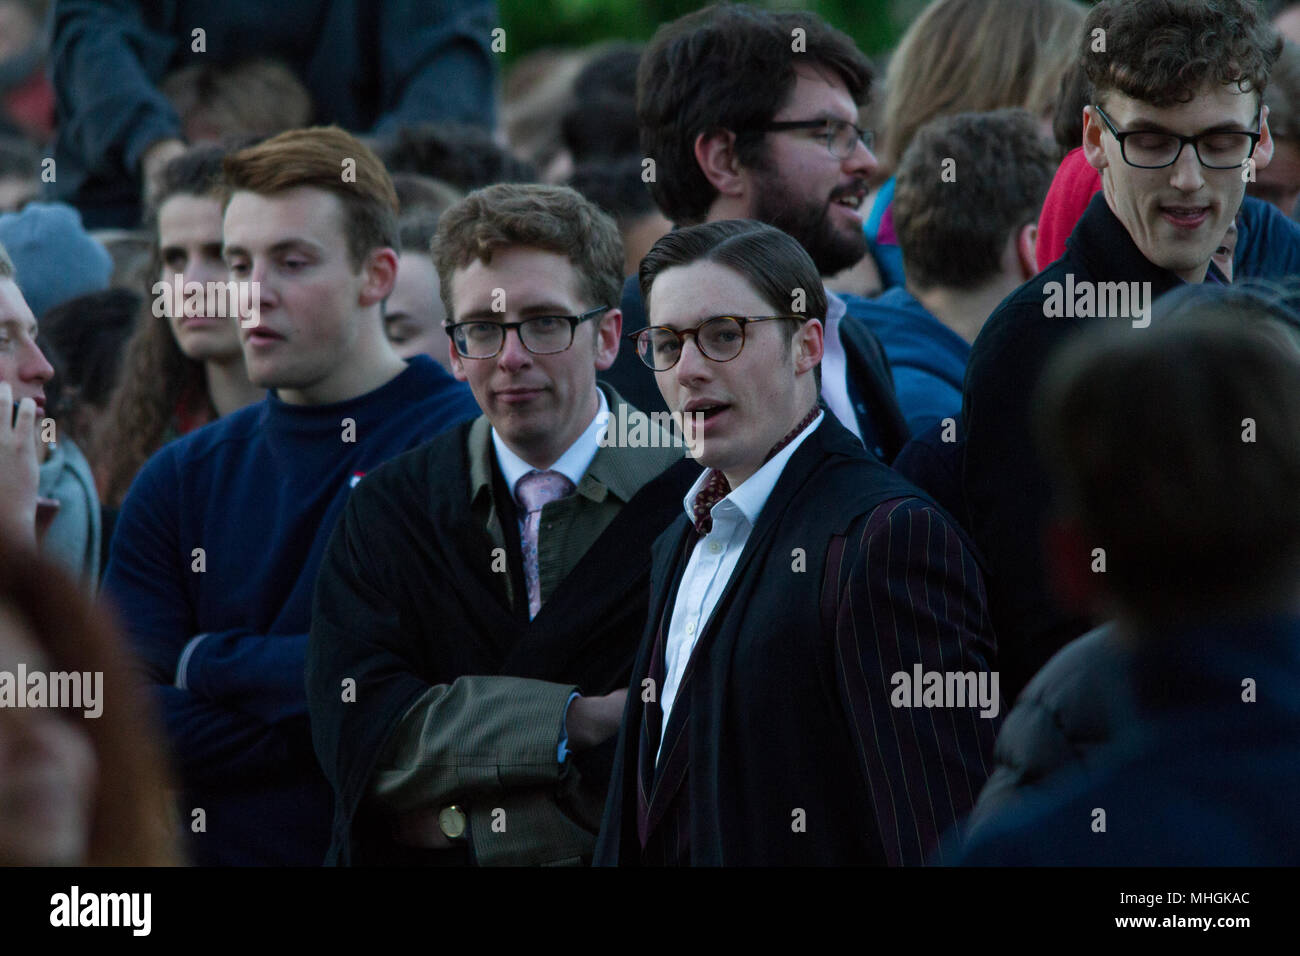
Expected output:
(1176, 127)
(477, 613)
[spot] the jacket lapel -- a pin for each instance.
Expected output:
(668, 560)
(674, 754)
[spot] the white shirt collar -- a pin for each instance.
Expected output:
(835, 309)
(575, 461)
(752, 493)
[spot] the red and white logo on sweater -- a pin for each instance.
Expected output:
(356, 476)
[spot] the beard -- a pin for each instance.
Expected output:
(832, 250)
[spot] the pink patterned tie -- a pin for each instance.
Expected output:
(532, 491)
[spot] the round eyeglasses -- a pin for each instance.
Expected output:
(719, 339)
(539, 334)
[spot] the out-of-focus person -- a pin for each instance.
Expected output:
(83, 782)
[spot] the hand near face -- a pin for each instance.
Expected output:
(19, 475)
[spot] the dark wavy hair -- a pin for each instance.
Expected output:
(1162, 51)
(727, 67)
(156, 377)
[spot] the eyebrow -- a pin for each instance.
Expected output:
(17, 326)
(540, 308)
(680, 324)
(284, 245)
(825, 115)
(1141, 124)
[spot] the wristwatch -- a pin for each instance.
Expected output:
(452, 822)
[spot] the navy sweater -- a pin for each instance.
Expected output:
(212, 568)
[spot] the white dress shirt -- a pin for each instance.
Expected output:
(835, 367)
(714, 559)
(573, 464)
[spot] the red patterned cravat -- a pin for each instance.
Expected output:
(532, 491)
(716, 486)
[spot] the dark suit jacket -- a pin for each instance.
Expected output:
(415, 608)
(783, 746)
(870, 381)
(1004, 481)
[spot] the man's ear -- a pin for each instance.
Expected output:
(1263, 154)
(716, 154)
(379, 275)
(1093, 132)
(809, 344)
(457, 364)
(1027, 250)
(609, 329)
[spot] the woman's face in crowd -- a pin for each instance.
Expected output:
(189, 239)
(47, 767)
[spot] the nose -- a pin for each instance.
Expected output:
(513, 356)
(265, 289)
(206, 269)
(1186, 174)
(35, 367)
(862, 162)
(692, 367)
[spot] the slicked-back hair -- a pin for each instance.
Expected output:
(550, 218)
(961, 56)
(727, 67)
(316, 157)
(952, 230)
(1148, 478)
(1162, 52)
(774, 264)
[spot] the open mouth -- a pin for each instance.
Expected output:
(850, 197)
(701, 414)
(1185, 217)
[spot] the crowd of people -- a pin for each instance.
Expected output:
(729, 450)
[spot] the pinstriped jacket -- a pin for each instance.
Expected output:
(788, 742)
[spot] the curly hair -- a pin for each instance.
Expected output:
(156, 377)
(953, 236)
(1162, 51)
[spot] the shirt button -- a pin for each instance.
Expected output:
(690, 628)
(714, 547)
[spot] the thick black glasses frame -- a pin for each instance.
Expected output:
(573, 320)
(1182, 142)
